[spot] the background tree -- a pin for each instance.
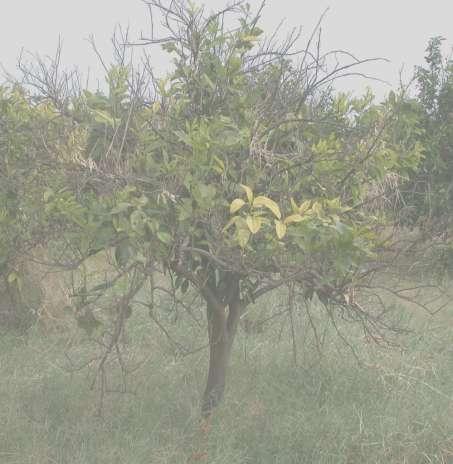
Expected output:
(35, 144)
(429, 192)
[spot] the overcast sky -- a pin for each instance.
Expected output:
(395, 29)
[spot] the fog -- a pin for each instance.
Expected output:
(398, 31)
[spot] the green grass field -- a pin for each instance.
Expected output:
(395, 408)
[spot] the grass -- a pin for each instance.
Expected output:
(396, 408)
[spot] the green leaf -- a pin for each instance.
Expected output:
(236, 205)
(207, 192)
(185, 209)
(121, 208)
(185, 286)
(263, 201)
(104, 117)
(12, 277)
(220, 165)
(102, 287)
(232, 221)
(88, 322)
(122, 254)
(164, 237)
(137, 220)
(243, 236)
(209, 82)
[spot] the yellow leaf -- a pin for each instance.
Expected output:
(294, 205)
(156, 107)
(293, 218)
(248, 192)
(250, 38)
(269, 204)
(304, 207)
(317, 208)
(280, 228)
(236, 205)
(253, 223)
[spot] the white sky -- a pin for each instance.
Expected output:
(395, 29)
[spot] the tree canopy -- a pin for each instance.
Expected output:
(240, 172)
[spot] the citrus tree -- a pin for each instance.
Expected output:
(240, 172)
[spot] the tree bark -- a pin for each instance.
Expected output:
(222, 327)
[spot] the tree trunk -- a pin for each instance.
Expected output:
(222, 326)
